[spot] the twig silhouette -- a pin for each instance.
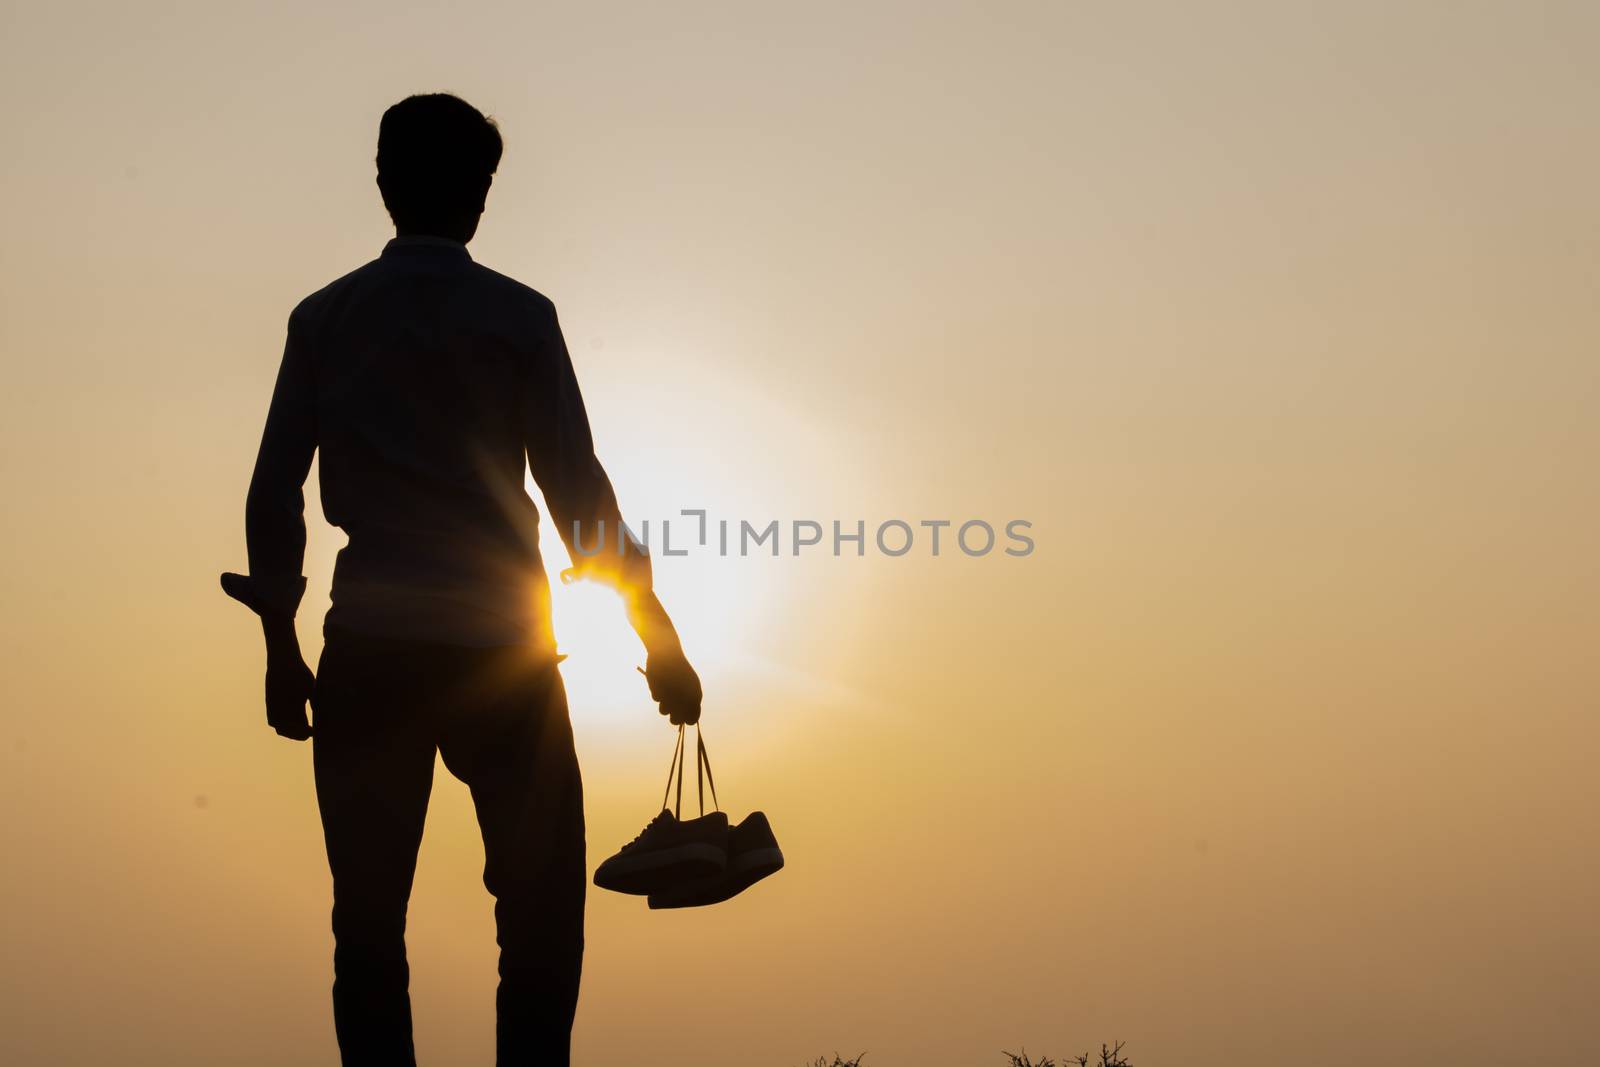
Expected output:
(1110, 1056)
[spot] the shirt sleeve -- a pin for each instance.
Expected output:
(275, 525)
(561, 456)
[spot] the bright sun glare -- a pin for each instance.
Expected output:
(719, 603)
(601, 649)
(712, 602)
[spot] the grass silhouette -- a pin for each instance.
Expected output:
(1110, 1056)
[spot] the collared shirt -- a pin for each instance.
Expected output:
(424, 378)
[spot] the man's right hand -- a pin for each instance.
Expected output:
(674, 685)
(289, 686)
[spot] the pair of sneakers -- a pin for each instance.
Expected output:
(689, 863)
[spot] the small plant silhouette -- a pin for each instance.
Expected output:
(1110, 1056)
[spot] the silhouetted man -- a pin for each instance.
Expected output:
(424, 379)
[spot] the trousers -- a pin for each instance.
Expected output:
(498, 717)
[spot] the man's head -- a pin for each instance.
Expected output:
(437, 155)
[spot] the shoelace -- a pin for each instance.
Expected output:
(702, 774)
(702, 778)
(642, 833)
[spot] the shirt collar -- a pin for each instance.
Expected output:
(420, 244)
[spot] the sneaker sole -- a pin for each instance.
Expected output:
(744, 871)
(640, 875)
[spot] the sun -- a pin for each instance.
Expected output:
(715, 604)
(602, 651)
(724, 604)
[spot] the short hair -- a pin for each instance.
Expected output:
(436, 157)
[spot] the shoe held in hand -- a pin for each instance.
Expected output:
(681, 863)
(753, 854)
(667, 853)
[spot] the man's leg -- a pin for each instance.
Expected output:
(373, 754)
(512, 745)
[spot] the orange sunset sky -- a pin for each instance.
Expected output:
(1278, 322)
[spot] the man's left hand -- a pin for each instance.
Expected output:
(289, 687)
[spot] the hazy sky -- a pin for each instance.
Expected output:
(1277, 321)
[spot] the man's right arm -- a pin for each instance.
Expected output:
(583, 506)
